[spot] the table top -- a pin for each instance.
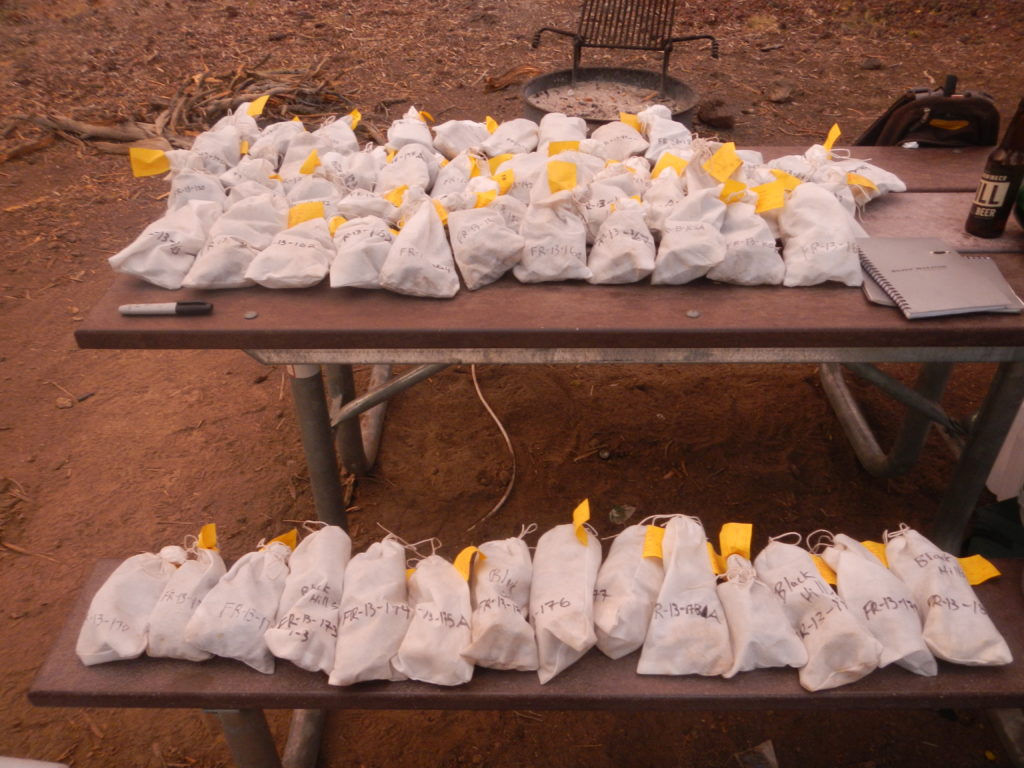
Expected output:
(508, 315)
(595, 682)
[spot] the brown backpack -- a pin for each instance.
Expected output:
(937, 117)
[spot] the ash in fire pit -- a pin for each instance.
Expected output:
(600, 94)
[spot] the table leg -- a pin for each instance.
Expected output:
(1005, 394)
(317, 442)
(248, 738)
(341, 388)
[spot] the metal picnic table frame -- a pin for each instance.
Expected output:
(320, 330)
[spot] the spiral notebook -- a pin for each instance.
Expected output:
(924, 277)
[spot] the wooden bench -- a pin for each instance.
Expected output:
(238, 694)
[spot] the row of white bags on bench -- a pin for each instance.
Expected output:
(619, 206)
(364, 617)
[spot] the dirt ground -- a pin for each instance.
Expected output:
(104, 454)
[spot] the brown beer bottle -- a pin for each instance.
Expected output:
(1000, 181)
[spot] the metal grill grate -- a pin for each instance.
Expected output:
(644, 25)
(640, 24)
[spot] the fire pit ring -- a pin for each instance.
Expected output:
(600, 93)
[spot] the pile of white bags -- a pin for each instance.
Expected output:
(699, 208)
(663, 593)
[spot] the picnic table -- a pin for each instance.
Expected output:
(323, 329)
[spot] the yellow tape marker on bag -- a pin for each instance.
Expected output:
(723, 163)
(391, 156)
(491, 123)
(290, 539)
(877, 549)
(495, 162)
(442, 212)
(464, 560)
(256, 106)
(823, 568)
(653, 538)
(505, 180)
(397, 195)
(335, 222)
(310, 164)
(409, 572)
(668, 160)
(300, 212)
(856, 180)
(426, 117)
(474, 167)
(580, 516)
(977, 569)
(789, 181)
(357, 118)
(243, 148)
(485, 198)
(734, 539)
(148, 162)
(631, 120)
(207, 538)
(833, 135)
(733, 191)
(770, 196)
(561, 175)
(556, 147)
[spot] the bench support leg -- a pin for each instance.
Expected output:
(248, 738)
(304, 736)
(922, 409)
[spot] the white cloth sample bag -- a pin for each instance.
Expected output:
(882, 602)
(555, 236)
(439, 633)
(688, 634)
(457, 136)
(236, 614)
(306, 632)
(516, 136)
(411, 128)
(819, 239)
(502, 636)
(483, 246)
(374, 615)
(182, 595)
(620, 140)
(839, 649)
(298, 257)
(624, 596)
(420, 261)
(624, 249)
(117, 623)
(691, 239)
(956, 626)
(751, 257)
(759, 632)
(361, 246)
(164, 252)
(191, 184)
(242, 231)
(562, 598)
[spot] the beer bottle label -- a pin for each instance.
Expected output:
(991, 194)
